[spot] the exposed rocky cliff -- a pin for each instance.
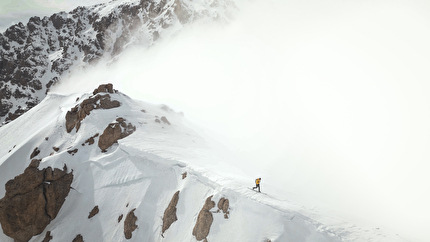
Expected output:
(37, 55)
(32, 200)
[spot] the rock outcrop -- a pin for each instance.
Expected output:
(35, 152)
(72, 152)
(204, 220)
(90, 140)
(78, 238)
(223, 205)
(75, 116)
(130, 224)
(32, 200)
(105, 88)
(115, 131)
(93, 212)
(48, 237)
(170, 213)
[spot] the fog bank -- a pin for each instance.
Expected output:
(326, 99)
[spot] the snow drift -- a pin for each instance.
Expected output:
(160, 170)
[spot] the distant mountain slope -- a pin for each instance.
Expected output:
(35, 56)
(139, 171)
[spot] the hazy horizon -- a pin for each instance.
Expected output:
(328, 98)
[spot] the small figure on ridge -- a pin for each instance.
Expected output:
(257, 184)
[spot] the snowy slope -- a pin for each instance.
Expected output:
(144, 170)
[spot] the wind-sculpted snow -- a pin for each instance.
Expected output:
(37, 55)
(132, 182)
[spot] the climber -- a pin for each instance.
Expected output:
(257, 184)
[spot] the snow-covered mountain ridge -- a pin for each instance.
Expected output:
(141, 173)
(162, 181)
(35, 56)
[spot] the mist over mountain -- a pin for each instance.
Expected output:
(327, 101)
(36, 55)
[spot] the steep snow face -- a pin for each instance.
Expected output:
(141, 173)
(35, 56)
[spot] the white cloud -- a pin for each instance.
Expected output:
(328, 99)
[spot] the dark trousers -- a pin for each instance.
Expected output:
(257, 186)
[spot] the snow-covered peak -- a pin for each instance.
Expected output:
(158, 179)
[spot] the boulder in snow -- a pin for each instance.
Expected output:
(170, 213)
(48, 237)
(78, 238)
(130, 224)
(223, 205)
(94, 212)
(204, 220)
(115, 131)
(105, 88)
(35, 152)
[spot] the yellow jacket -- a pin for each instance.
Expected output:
(257, 181)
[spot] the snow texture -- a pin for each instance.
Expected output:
(144, 170)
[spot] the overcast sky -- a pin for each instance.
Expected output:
(15, 11)
(329, 98)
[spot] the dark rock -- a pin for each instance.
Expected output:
(104, 88)
(170, 213)
(57, 20)
(184, 175)
(5, 106)
(204, 220)
(107, 103)
(36, 84)
(56, 149)
(78, 238)
(120, 218)
(35, 152)
(94, 212)
(16, 114)
(72, 152)
(48, 237)
(90, 140)
(223, 205)
(79, 112)
(32, 200)
(114, 132)
(72, 120)
(130, 224)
